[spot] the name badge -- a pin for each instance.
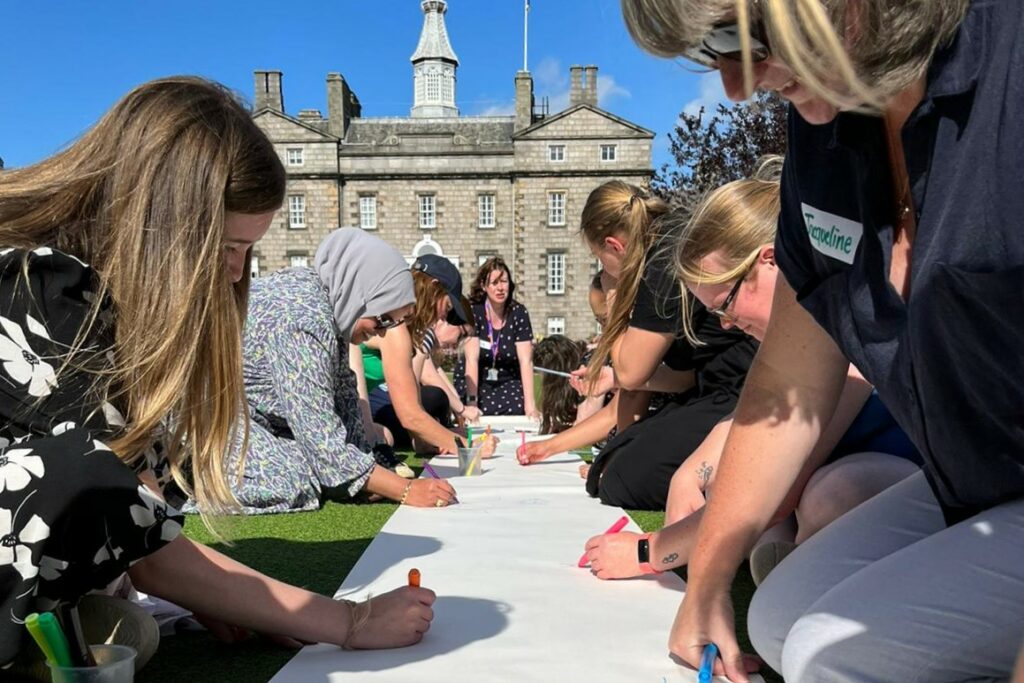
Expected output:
(485, 345)
(832, 235)
(492, 375)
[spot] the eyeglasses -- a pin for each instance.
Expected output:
(722, 311)
(386, 322)
(723, 42)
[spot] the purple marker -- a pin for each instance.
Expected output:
(430, 470)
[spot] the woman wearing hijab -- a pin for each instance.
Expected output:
(306, 434)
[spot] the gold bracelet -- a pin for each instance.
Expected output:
(405, 493)
(359, 614)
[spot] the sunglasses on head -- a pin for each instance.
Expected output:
(452, 318)
(723, 42)
(386, 322)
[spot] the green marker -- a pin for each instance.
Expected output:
(34, 630)
(55, 637)
(469, 437)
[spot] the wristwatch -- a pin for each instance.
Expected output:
(643, 555)
(471, 400)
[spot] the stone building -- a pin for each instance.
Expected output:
(465, 187)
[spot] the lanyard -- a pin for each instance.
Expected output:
(488, 312)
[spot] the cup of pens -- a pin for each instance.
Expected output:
(469, 459)
(114, 664)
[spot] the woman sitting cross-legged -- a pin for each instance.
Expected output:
(307, 434)
(726, 260)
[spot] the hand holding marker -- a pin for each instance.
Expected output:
(433, 473)
(707, 663)
(613, 529)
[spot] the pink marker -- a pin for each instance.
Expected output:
(613, 529)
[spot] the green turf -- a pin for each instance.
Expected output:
(314, 550)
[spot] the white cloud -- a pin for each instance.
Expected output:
(507, 109)
(711, 94)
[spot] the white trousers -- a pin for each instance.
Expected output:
(888, 593)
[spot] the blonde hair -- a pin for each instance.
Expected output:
(618, 209)
(735, 220)
(141, 197)
(893, 46)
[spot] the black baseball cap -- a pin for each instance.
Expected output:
(442, 270)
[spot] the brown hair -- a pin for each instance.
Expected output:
(429, 292)
(141, 197)
(558, 400)
(477, 293)
(618, 209)
(895, 39)
(736, 220)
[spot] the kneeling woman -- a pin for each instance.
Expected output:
(415, 401)
(307, 433)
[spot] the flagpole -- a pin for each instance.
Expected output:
(526, 23)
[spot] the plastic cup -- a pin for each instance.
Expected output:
(114, 664)
(470, 461)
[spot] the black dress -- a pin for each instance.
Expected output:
(503, 394)
(73, 516)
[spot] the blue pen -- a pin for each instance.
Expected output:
(707, 663)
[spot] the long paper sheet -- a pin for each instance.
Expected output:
(512, 604)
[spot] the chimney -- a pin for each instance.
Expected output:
(524, 100)
(590, 85)
(342, 105)
(576, 84)
(268, 93)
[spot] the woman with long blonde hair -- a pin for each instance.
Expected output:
(625, 229)
(899, 245)
(123, 282)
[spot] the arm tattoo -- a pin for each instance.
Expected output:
(704, 473)
(670, 558)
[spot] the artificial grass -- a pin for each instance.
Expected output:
(314, 550)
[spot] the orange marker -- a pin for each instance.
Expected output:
(414, 578)
(488, 435)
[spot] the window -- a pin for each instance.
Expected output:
(428, 212)
(254, 266)
(295, 156)
(556, 208)
(446, 92)
(368, 212)
(433, 87)
(556, 273)
(298, 261)
(481, 257)
(556, 152)
(296, 211)
(609, 152)
(485, 206)
(556, 325)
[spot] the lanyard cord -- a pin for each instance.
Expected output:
(488, 311)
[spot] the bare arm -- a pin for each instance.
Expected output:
(397, 356)
(669, 381)
(524, 353)
(203, 580)
(637, 354)
(581, 435)
(471, 349)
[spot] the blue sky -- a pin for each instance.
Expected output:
(66, 61)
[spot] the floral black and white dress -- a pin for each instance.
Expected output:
(73, 516)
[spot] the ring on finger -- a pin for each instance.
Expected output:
(439, 503)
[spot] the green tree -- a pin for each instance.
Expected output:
(709, 151)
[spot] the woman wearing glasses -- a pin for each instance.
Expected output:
(725, 257)
(412, 398)
(624, 226)
(899, 243)
(307, 435)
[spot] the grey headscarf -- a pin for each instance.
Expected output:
(364, 276)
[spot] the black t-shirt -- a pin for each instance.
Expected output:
(721, 363)
(947, 362)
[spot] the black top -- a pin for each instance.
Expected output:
(721, 363)
(517, 328)
(948, 362)
(73, 516)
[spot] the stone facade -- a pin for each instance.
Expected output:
(491, 184)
